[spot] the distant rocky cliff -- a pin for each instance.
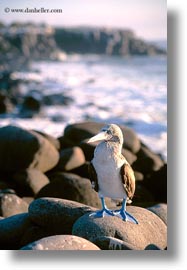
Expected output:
(103, 41)
(28, 41)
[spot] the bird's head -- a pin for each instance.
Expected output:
(109, 133)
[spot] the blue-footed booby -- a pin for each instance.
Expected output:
(110, 173)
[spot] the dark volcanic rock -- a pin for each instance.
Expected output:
(30, 106)
(138, 176)
(57, 99)
(34, 233)
(103, 41)
(130, 157)
(82, 170)
(150, 230)
(65, 142)
(25, 42)
(61, 242)
(17, 147)
(156, 182)
(55, 142)
(57, 215)
(142, 196)
(160, 210)
(30, 181)
(71, 187)
(21, 149)
(152, 247)
(81, 131)
(147, 161)
(47, 157)
(88, 149)
(12, 229)
(5, 103)
(70, 158)
(11, 204)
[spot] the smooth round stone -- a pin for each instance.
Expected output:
(61, 242)
(30, 181)
(21, 149)
(18, 148)
(88, 149)
(56, 214)
(70, 159)
(34, 233)
(72, 187)
(156, 182)
(130, 157)
(152, 247)
(138, 176)
(55, 142)
(160, 210)
(30, 105)
(81, 131)
(46, 157)
(65, 142)
(12, 229)
(149, 230)
(142, 195)
(147, 161)
(82, 171)
(11, 204)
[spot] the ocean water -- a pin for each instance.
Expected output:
(130, 91)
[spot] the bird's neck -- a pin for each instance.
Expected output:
(114, 148)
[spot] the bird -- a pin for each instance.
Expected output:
(110, 173)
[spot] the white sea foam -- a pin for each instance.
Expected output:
(130, 91)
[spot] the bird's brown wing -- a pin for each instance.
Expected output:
(93, 177)
(128, 179)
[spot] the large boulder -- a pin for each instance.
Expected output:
(30, 181)
(71, 187)
(70, 159)
(61, 242)
(149, 230)
(12, 229)
(21, 149)
(147, 161)
(81, 131)
(160, 210)
(57, 215)
(156, 183)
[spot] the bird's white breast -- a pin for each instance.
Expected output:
(107, 166)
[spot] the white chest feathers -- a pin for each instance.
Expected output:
(107, 163)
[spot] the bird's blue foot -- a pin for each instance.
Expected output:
(125, 216)
(102, 213)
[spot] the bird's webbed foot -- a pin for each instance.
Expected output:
(102, 213)
(124, 215)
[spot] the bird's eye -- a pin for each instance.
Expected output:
(108, 131)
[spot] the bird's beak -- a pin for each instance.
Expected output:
(102, 136)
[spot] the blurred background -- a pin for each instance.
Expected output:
(65, 62)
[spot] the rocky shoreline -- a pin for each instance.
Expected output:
(21, 43)
(46, 194)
